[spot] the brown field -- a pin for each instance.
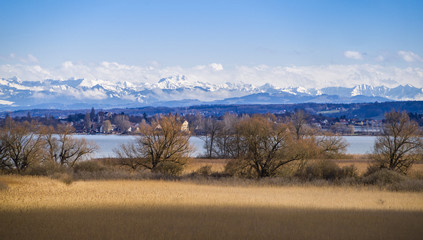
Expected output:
(42, 208)
(361, 162)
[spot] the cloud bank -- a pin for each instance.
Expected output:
(280, 76)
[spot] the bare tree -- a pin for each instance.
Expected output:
(267, 146)
(5, 164)
(331, 145)
(130, 157)
(400, 144)
(211, 128)
(61, 147)
(299, 125)
(227, 137)
(122, 122)
(299, 121)
(163, 147)
(20, 146)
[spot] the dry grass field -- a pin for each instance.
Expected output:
(362, 165)
(43, 208)
(359, 161)
(217, 165)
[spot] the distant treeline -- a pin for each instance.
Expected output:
(374, 110)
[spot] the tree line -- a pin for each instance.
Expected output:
(261, 145)
(258, 145)
(28, 144)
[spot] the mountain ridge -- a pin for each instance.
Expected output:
(179, 91)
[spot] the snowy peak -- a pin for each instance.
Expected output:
(367, 90)
(180, 90)
(406, 92)
(301, 91)
(174, 82)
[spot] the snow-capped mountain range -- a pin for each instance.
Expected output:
(179, 91)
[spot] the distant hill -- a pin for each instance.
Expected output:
(374, 110)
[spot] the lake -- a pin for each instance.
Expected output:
(107, 143)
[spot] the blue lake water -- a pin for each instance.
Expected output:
(360, 144)
(107, 143)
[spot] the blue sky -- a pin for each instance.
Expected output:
(231, 33)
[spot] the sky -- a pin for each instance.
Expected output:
(285, 43)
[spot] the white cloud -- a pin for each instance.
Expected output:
(4, 102)
(353, 55)
(216, 66)
(25, 72)
(409, 56)
(280, 76)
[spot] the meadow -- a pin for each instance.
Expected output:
(44, 208)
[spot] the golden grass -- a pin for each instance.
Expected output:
(363, 165)
(38, 192)
(360, 165)
(361, 162)
(217, 165)
(42, 208)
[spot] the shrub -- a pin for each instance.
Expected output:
(66, 178)
(108, 162)
(349, 172)
(204, 170)
(383, 177)
(88, 166)
(349, 181)
(239, 168)
(37, 170)
(327, 170)
(372, 168)
(408, 185)
(46, 169)
(324, 169)
(169, 168)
